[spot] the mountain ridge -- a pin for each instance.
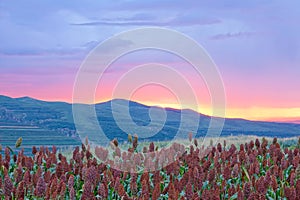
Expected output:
(58, 116)
(140, 104)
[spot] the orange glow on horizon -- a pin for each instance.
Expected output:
(250, 113)
(265, 113)
(254, 113)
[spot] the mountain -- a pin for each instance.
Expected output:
(57, 117)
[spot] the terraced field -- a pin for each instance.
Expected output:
(34, 136)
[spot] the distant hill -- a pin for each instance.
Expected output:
(58, 117)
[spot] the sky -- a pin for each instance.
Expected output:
(254, 43)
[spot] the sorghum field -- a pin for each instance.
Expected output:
(259, 169)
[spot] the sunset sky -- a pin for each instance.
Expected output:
(254, 43)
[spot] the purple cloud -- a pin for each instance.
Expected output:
(232, 35)
(131, 22)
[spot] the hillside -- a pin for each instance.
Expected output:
(57, 117)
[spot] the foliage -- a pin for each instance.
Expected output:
(255, 170)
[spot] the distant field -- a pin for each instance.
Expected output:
(236, 140)
(18, 127)
(33, 136)
(290, 142)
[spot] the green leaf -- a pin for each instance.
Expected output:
(235, 196)
(10, 149)
(182, 170)
(287, 172)
(246, 173)
(205, 185)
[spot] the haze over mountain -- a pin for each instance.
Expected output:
(57, 117)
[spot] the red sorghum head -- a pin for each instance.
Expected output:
(20, 193)
(8, 186)
(103, 190)
(189, 191)
(219, 147)
(156, 191)
(72, 193)
(7, 154)
(40, 189)
(87, 191)
(247, 190)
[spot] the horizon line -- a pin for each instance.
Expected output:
(291, 120)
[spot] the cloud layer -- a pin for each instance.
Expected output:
(255, 44)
